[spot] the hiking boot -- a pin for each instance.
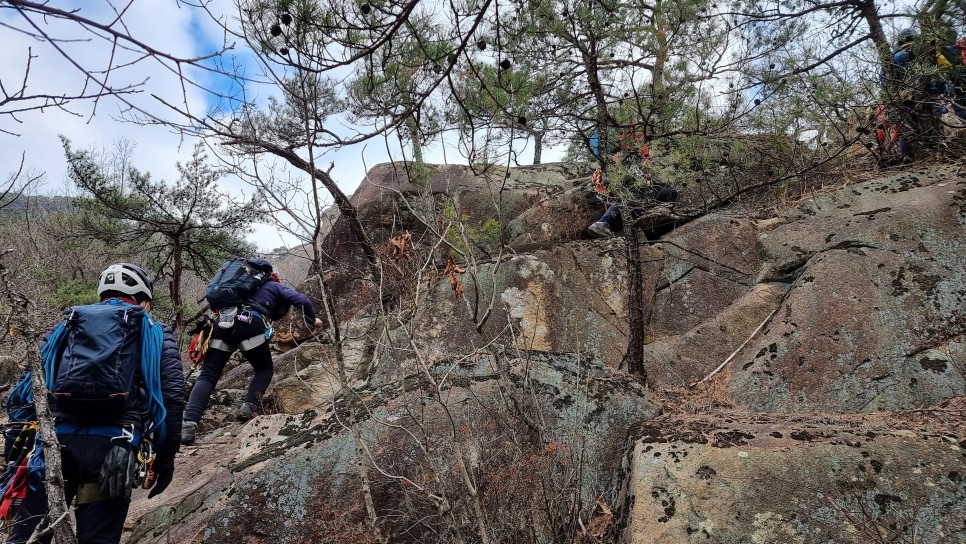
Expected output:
(600, 229)
(189, 429)
(246, 411)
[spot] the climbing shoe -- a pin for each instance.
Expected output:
(188, 431)
(600, 229)
(246, 411)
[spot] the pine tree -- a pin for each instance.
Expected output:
(187, 225)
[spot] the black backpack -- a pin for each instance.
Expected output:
(236, 281)
(96, 362)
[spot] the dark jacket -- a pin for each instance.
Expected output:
(278, 299)
(172, 392)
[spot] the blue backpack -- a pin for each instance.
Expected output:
(236, 281)
(95, 363)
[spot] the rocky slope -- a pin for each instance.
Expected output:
(504, 416)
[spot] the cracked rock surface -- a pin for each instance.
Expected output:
(873, 318)
(838, 418)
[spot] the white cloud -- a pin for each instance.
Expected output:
(88, 123)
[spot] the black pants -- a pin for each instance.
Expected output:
(260, 357)
(98, 522)
(649, 194)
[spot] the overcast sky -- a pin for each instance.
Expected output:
(161, 24)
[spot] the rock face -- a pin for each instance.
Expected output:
(873, 318)
(292, 476)
(567, 299)
(434, 200)
(794, 481)
(491, 399)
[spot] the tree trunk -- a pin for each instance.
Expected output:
(659, 98)
(871, 16)
(589, 59)
(634, 356)
(175, 288)
(413, 128)
(537, 146)
(56, 522)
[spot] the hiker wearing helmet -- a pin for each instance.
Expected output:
(246, 295)
(118, 418)
(951, 59)
(643, 192)
(905, 116)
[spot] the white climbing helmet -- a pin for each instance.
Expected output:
(129, 279)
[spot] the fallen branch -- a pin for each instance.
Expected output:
(735, 352)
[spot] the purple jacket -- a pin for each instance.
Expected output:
(278, 299)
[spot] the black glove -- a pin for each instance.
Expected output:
(163, 472)
(117, 473)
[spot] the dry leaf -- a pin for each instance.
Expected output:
(598, 527)
(401, 246)
(453, 270)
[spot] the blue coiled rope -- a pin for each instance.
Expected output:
(152, 341)
(48, 354)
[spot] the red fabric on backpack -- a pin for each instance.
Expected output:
(15, 494)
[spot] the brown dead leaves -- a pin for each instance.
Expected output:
(401, 247)
(453, 270)
(597, 530)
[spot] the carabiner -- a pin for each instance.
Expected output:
(145, 472)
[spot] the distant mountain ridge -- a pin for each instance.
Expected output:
(34, 205)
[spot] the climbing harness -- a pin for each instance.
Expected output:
(246, 315)
(136, 465)
(244, 345)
